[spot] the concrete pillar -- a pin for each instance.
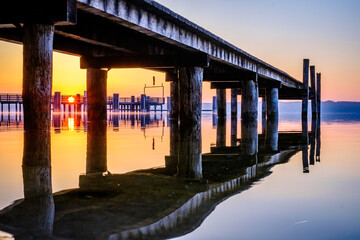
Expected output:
(313, 92)
(233, 102)
(116, 102)
(221, 102)
(190, 156)
(272, 103)
(318, 93)
(96, 161)
(214, 104)
(174, 98)
(305, 98)
(37, 75)
(249, 100)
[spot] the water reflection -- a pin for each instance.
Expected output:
(153, 203)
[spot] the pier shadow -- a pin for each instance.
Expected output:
(155, 203)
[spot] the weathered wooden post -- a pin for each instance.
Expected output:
(312, 141)
(116, 102)
(85, 101)
(132, 103)
(96, 161)
(272, 134)
(318, 98)
(214, 104)
(234, 121)
(174, 97)
(305, 135)
(190, 86)
(168, 104)
(249, 114)
(305, 98)
(221, 102)
(233, 102)
(313, 92)
(57, 102)
(221, 132)
(272, 103)
(143, 102)
(318, 138)
(263, 106)
(171, 162)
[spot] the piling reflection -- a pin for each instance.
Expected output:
(156, 203)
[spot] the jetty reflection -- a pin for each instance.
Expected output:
(153, 203)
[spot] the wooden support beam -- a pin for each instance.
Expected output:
(58, 12)
(225, 85)
(148, 61)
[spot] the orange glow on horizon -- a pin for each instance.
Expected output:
(71, 99)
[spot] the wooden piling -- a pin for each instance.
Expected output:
(57, 102)
(221, 132)
(305, 98)
(263, 106)
(37, 75)
(313, 92)
(249, 100)
(214, 104)
(221, 102)
(190, 85)
(249, 136)
(96, 161)
(116, 102)
(272, 134)
(233, 102)
(174, 100)
(233, 139)
(318, 93)
(272, 103)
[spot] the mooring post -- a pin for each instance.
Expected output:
(318, 93)
(312, 140)
(96, 161)
(233, 102)
(305, 146)
(57, 102)
(305, 98)
(313, 92)
(190, 91)
(318, 138)
(249, 114)
(116, 102)
(221, 102)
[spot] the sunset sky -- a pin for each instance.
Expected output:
(280, 32)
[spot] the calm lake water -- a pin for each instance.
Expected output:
(148, 192)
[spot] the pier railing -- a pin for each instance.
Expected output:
(11, 98)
